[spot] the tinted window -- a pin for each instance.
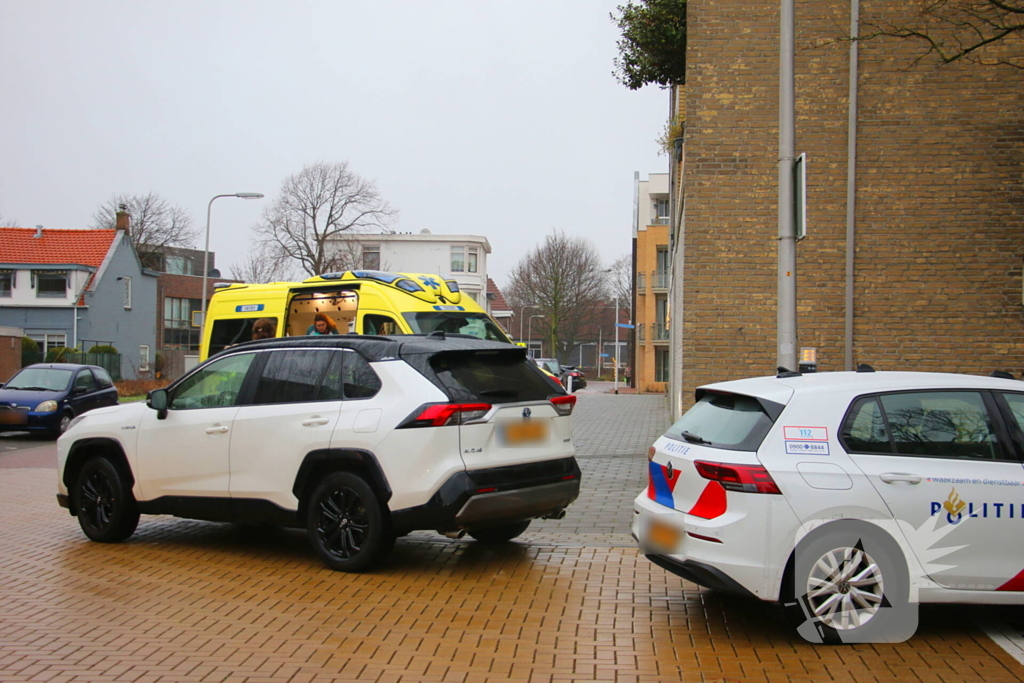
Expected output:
(230, 332)
(944, 424)
(84, 381)
(292, 376)
(102, 378)
(729, 421)
(213, 385)
(358, 378)
(864, 429)
(490, 376)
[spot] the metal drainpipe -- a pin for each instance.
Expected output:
(851, 179)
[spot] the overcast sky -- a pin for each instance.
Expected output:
(489, 118)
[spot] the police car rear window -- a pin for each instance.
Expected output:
(729, 421)
(491, 377)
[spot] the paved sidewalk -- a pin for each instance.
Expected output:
(571, 600)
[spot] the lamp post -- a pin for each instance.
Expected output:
(616, 343)
(539, 315)
(523, 308)
(206, 253)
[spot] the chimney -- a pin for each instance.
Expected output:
(39, 232)
(123, 217)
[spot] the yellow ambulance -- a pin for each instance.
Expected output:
(360, 301)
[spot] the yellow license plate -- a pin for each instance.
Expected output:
(526, 432)
(662, 537)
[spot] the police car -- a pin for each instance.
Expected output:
(850, 496)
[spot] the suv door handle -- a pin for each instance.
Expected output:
(221, 429)
(315, 421)
(899, 477)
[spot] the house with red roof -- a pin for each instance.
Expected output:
(80, 288)
(498, 308)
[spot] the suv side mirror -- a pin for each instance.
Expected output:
(157, 400)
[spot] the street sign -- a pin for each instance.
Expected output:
(626, 325)
(604, 355)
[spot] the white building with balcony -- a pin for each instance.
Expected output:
(462, 258)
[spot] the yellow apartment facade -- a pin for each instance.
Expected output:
(651, 261)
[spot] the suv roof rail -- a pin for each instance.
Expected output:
(864, 367)
(1002, 374)
(786, 372)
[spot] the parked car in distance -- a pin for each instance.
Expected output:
(46, 397)
(848, 496)
(562, 372)
(579, 379)
(357, 438)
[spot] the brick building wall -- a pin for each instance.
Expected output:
(939, 191)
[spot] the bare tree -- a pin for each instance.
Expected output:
(621, 282)
(563, 280)
(8, 223)
(317, 205)
(262, 265)
(986, 32)
(156, 224)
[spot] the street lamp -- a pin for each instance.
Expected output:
(523, 308)
(206, 254)
(530, 328)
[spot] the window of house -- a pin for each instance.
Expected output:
(371, 257)
(143, 357)
(51, 284)
(471, 256)
(179, 333)
(48, 340)
(458, 259)
(6, 283)
(661, 208)
(127, 292)
(178, 265)
(661, 365)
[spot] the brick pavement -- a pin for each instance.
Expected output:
(195, 601)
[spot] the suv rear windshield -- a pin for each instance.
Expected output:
(490, 376)
(728, 421)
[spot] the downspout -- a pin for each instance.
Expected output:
(851, 179)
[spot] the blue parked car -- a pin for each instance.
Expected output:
(46, 397)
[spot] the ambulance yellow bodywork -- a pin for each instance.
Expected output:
(361, 302)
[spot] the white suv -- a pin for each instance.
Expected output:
(359, 439)
(849, 496)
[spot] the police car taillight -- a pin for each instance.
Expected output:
(442, 414)
(563, 404)
(746, 478)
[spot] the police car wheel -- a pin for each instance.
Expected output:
(850, 585)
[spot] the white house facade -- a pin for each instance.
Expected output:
(462, 258)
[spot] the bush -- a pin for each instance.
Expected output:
(138, 387)
(59, 354)
(30, 345)
(102, 348)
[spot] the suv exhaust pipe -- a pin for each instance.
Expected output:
(454, 535)
(555, 515)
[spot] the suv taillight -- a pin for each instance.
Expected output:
(563, 404)
(746, 478)
(441, 414)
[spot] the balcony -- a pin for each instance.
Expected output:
(659, 281)
(640, 335)
(659, 333)
(641, 283)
